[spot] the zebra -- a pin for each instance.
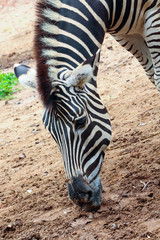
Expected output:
(68, 38)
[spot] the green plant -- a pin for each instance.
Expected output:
(8, 81)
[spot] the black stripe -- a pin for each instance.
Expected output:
(151, 6)
(92, 141)
(91, 155)
(133, 15)
(101, 155)
(119, 7)
(93, 26)
(125, 17)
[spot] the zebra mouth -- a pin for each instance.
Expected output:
(81, 193)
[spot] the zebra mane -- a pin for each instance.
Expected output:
(43, 69)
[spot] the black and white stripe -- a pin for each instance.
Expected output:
(68, 36)
(71, 31)
(68, 33)
(76, 125)
(135, 25)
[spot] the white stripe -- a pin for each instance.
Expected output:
(93, 13)
(56, 17)
(54, 43)
(55, 3)
(51, 53)
(107, 7)
(53, 29)
(74, 10)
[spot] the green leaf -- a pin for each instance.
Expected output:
(8, 81)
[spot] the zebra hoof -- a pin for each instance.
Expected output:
(81, 193)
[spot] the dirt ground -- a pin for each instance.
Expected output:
(34, 202)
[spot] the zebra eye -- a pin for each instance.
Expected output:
(80, 122)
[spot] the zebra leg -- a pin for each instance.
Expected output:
(152, 36)
(136, 44)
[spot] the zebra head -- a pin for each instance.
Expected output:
(80, 125)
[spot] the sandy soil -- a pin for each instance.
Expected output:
(34, 203)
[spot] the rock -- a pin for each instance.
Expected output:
(22, 156)
(29, 190)
(142, 124)
(9, 228)
(125, 195)
(114, 226)
(110, 48)
(91, 216)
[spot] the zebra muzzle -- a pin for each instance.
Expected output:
(82, 194)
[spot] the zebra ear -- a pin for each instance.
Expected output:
(84, 72)
(26, 75)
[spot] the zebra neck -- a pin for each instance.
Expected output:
(67, 33)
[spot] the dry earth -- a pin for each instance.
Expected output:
(34, 203)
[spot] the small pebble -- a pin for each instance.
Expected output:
(114, 226)
(91, 216)
(110, 48)
(124, 195)
(142, 124)
(16, 119)
(45, 173)
(29, 190)
(22, 156)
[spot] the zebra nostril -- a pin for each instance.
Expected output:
(89, 195)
